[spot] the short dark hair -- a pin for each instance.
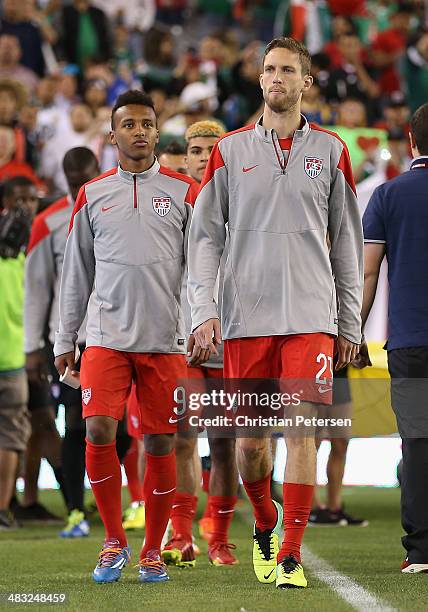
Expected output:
(419, 128)
(132, 96)
(174, 148)
(16, 181)
(78, 159)
(295, 47)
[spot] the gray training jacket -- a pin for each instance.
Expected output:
(280, 277)
(43, 265)
(124, 262)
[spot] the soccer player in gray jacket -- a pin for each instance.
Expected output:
(43, 267)
(282, 186)
(124, 264)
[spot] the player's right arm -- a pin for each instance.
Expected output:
(206, 244)
(77, 279)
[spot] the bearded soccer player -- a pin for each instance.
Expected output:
(223, 483)
(280, 185)
(124, 263)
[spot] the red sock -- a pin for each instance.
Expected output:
(260, 497)
(206, 480)
(222, 509)
(297, 507)
(207, 511)
(182, 513)
(159, 490)
(130, 463)
(103, 467)
(194, 504)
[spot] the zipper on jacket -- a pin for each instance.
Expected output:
(135, 192)
(282, 164)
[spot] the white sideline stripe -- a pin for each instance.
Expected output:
(349, 590)
(346, 588)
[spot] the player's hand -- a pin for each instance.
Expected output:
(363, 358)
(346, 352)
(196, 355)
(208, 336)
(66, 360)
(35, 365)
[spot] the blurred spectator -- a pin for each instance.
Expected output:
(95, 95)
(132, 14)
(388, 47)
(353, 78)
(159, 61)
(348, 8)
(9, 167)
(174, 157)
(85, 33)
(400, 159)
(396, 114)
(340, 25)
(314, 107)
(78, 130)
(19, 206)
(247, 95)
(50, 114)
(170, 12)
(198, 102)
(415, 71)
(10, 55)
(67, 87)
(351, 113)
(13, 97)
(21, 19)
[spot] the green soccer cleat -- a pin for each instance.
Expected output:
(289, 574)
(134, 517)
(266, 548)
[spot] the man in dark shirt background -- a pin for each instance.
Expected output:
(396, 225)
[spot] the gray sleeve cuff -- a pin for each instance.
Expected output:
(200, 314)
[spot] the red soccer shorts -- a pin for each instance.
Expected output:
(304, 361)
(106, 376)
(133, 424)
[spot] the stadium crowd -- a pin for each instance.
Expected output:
(63, 64)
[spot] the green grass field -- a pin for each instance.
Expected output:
(34, 559)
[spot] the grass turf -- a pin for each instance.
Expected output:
(38, 561)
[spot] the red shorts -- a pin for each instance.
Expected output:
(304, 360)
(106, 376)
(133, 424)
(203, 372)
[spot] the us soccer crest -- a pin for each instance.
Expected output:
(161, 206)
(313, 166)
(86, 396)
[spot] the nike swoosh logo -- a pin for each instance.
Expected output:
(156, 492)
(172, 420)
(119, 564)
(321, 390)
(297, 521)
(175, 506)
(249, 168)
(270, 573)
(102, 480)
(225, 511)
(106, 208)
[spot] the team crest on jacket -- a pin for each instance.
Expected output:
(313, 166)
(161, 206)
(86, 396)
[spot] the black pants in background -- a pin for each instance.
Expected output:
(408, 368)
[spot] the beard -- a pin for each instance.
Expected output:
(281, 104)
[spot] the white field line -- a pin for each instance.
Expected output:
(349, 590)
(346, 588)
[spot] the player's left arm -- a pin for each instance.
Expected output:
(346, 256)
